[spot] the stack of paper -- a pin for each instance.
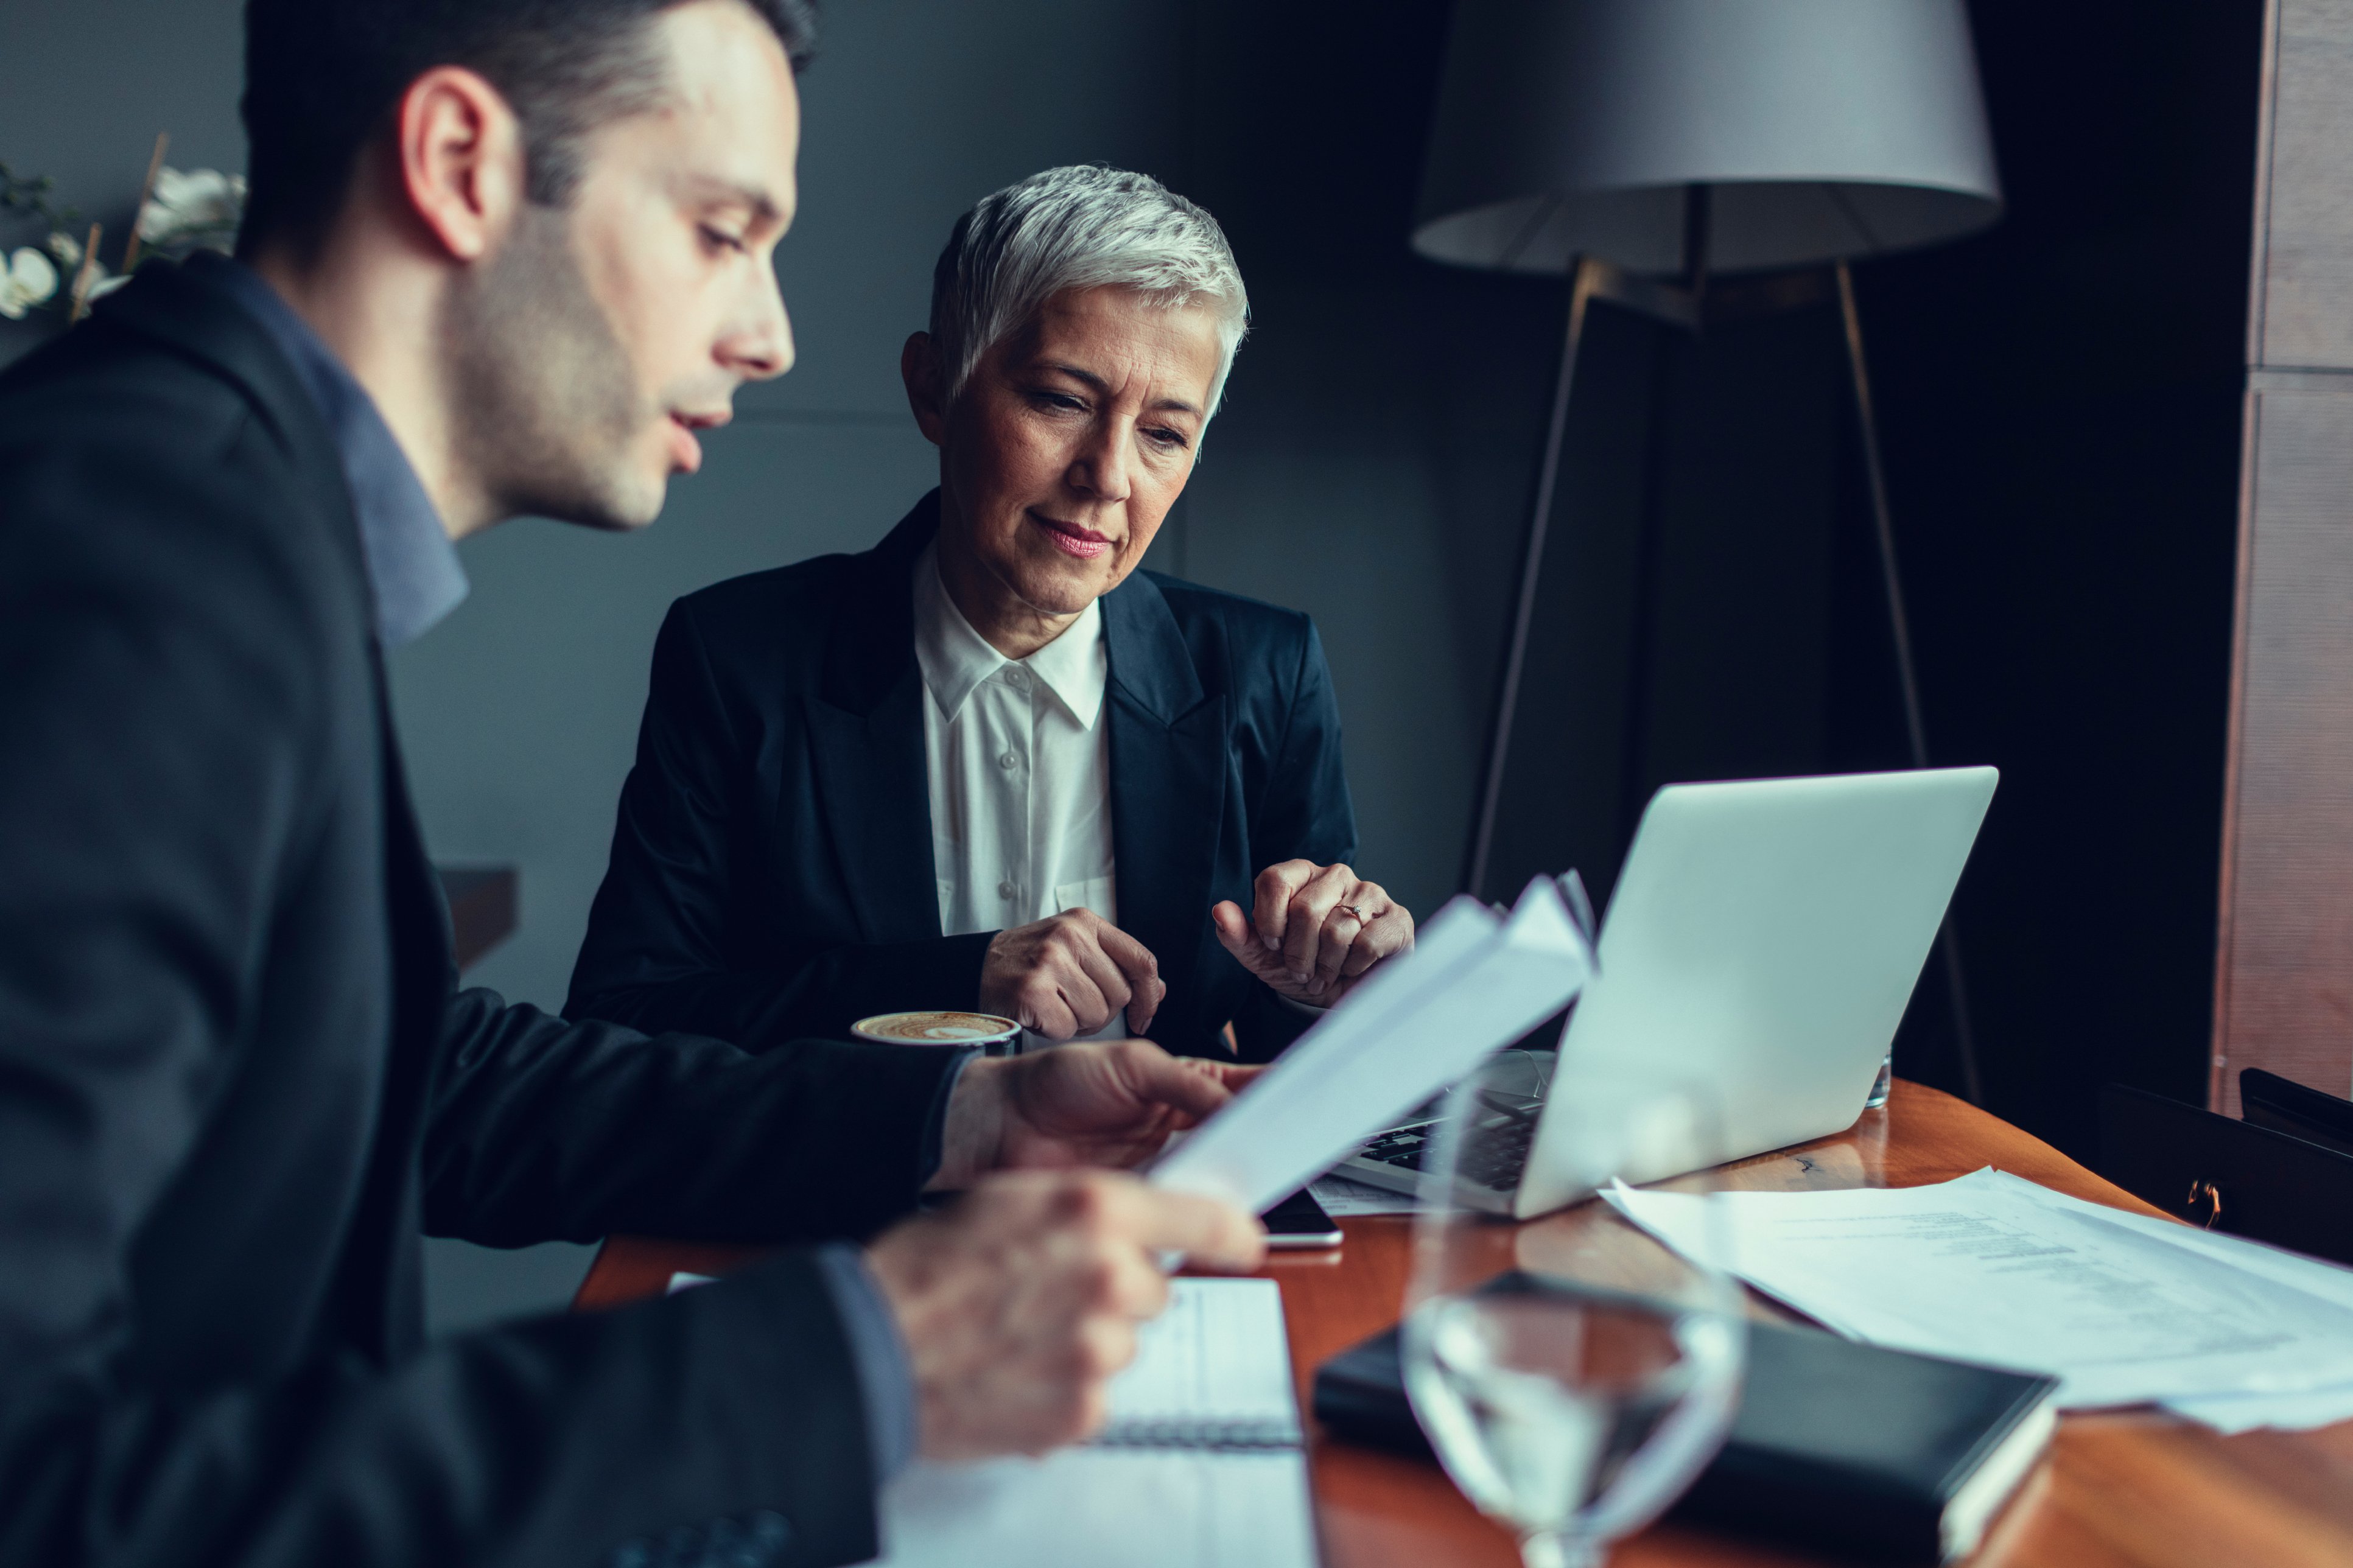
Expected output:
(2296, 1410)
(1200, 1467)
(2122, 1308)
(1473, 982)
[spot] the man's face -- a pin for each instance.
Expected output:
(600, 337)
(1072, 438)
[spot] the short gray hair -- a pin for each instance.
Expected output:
(1083, 226)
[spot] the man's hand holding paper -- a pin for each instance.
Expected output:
(1018, 1302)
(1109, 1103)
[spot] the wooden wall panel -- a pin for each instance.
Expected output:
(2303, 274)
(2284, 968)
(2284, 993)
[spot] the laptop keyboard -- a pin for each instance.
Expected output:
(1402, 1148)
(1497, 1163)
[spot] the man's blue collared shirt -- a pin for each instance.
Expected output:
(414, 573)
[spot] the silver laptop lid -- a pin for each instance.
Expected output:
(1763, 940)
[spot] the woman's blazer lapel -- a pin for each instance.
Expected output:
(866, 742)
(1168, 762)
(1168, 768)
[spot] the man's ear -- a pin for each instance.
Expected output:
(460, 161)
(919, 367)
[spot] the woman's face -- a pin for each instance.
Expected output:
(1070, 442)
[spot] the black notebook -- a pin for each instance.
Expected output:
(1839, 1447)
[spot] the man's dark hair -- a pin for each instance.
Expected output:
(322, 76)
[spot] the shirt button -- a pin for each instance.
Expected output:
(1010, 759)
(1005, 889)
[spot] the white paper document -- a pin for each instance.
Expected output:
(2235, 1413)
(1213, 1371)
(1473, 983)
(2299, 1410)
(1995, 1269)
(1085, 1508)
(1200, 1467)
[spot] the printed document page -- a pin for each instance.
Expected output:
(2233, 1412)
(2329, 1281)
(1200, 1466)
(1086, 1508)
(1979, 1271)
(1215, 1363)
(1425, 1020)
(2298, 1410)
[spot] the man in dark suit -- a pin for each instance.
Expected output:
(988, 764)
(501, 256)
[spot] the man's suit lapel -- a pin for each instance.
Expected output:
(866, 733)
(182, 306)
(423, 976)
(1167, 779)
(380, 1289)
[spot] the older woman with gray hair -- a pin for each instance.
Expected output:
(989, 765)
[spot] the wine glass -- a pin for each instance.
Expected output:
(1573, 1374)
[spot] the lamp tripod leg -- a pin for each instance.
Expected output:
(1899, 625)
(1582, 279)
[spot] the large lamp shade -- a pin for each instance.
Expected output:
(1824, 130)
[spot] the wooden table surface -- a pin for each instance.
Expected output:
(2129, 1491)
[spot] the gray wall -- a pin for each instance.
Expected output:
(85, 86)
(1329, 484)
(520, 714)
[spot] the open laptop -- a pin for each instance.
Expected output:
(1763, 940)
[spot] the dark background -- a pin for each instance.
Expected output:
(2059, 398)
(2060, 404)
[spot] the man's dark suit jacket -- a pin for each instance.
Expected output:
(237, 1082)
(772, 871)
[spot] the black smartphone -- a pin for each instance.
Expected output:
(1299, 1223)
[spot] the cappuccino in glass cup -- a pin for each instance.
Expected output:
(996, 1037)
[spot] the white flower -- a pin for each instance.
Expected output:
(28, 281)
(196, 209)
(66, 249)
(107, 284)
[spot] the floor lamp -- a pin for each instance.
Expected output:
(1698, 162)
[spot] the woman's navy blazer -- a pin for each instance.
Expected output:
(772, 871)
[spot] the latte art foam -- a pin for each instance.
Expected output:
(936, 1028)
